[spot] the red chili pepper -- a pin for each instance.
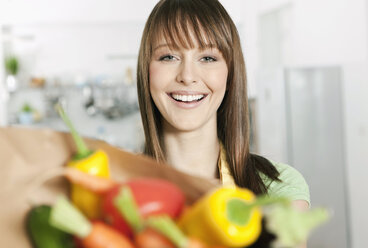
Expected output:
(153, 196)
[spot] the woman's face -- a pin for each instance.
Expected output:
(187, 85)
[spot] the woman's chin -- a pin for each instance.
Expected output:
(185, 126)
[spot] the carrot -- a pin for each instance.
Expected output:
(103, 236)
(195, 243)
(96, 184)
(149, 238)
(68, 218)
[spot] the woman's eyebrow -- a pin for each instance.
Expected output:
(205, 47)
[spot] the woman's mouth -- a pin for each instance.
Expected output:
(187, 98)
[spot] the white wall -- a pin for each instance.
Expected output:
(71, 52)
(20, 11)
(38, 11)
(248, 32)
(329, 32)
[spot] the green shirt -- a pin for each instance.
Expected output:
(292, 184)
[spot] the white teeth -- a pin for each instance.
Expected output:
(187, 98)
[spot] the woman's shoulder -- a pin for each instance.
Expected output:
(292, 183)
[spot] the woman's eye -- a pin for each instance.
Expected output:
(167, 58)
(208, 59)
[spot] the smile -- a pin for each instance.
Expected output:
(187, 98)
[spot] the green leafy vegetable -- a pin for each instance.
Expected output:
(292, 226)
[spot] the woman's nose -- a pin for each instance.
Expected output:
(187, 73)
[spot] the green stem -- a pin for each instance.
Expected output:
(127, 206)
(82, 149)
(68, 218)
(166, 226)
(238, 211)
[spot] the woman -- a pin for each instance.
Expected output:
(193, 100)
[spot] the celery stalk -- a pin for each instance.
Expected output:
(68, 218)
(128, 208)
(167, 227)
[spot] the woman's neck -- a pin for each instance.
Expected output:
(193, 152)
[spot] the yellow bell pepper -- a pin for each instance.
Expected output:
(95, 164)
(92, 162)
(225, 216)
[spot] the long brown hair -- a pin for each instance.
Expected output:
(211, 25)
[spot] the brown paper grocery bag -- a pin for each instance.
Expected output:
(29, 157)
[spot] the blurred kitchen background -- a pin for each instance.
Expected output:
(307, 65)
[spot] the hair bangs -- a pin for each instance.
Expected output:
(187, 27)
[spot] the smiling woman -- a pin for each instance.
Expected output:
(193, 100)
(188, 86)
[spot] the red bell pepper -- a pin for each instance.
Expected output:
(153, 196)
(144, 236)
